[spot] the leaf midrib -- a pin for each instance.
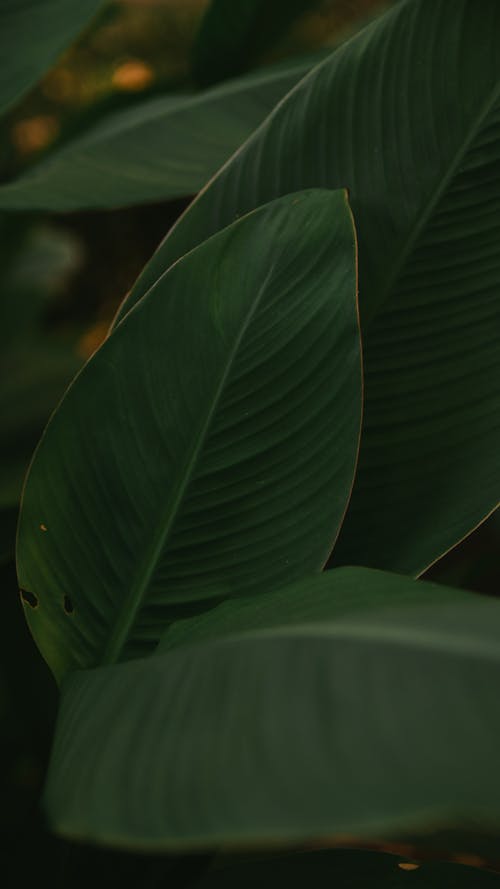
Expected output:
(387, 289)
(124, 623)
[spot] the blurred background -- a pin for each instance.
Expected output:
(63, 275)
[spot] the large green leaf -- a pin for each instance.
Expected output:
(322, 597)
(407, 116)
(232, 34)
(32, 34)
(164, 147)
(376, 725)
(195, 457)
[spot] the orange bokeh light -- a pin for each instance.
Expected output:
(133, 75)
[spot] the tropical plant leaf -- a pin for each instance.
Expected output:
(322, 597)
(232, 35)
(195, 456)
(32, 34)
(376, 726)
(28, 706)
(407, 116)
(165, 147)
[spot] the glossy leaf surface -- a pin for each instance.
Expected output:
(377, 725)
(407, 116)
(32, 34)
(161, 148)
(195, 457)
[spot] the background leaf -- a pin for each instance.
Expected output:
(232, 34)
(195, 457)
(32, 34)
(163, 147)
(406, 115)
(375, 726)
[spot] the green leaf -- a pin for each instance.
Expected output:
(407, 116)
(32, 35)
(372, 726)
(323, 597)
(232, 35)
(164, 147)
(195, 457)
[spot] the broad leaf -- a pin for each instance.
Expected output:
(164, 147)
(195, 457)
(232, 34)
(372, 726)
(28, 706)
(407, 116)
(323, 597)
(35, 368)
(32, 35)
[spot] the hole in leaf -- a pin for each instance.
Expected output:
(408, 865)
(68, 605)
(29, 598)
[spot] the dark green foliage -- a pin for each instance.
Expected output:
(405, 115)
(191, 472)
(228, 708)
(233, 35)
(32, 34)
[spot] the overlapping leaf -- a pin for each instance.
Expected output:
(407, 116)
(375, 725)
(161, 148)
(32, 34)
(208, 448)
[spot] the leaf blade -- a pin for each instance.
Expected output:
(189, 460)
(380, 118)
(159, 149)
(260, 736)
